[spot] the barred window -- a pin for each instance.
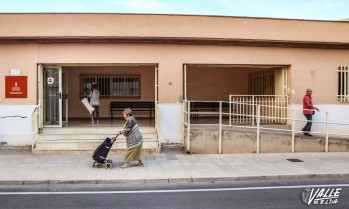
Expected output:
(343, 88)
(119, 86)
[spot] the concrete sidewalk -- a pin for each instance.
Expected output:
(18, 168)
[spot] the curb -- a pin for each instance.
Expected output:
(173, 180)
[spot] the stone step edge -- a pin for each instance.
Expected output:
(88, 140)
(88, 134)
(86, 149)
(90, 152)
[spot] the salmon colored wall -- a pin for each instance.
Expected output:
(216, 83)
(309, 68)
(21, 57)
(76, 109)
(316, 69)
(143, 25)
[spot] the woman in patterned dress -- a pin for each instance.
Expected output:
(134, 140)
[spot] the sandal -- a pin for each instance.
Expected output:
(125, 166)
(140, 164)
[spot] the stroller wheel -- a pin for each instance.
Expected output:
(94, 164)
(99, 165)
(108, 165)
(109, 161)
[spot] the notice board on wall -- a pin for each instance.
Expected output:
(16, 87)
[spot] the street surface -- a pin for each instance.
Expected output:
(249, 194)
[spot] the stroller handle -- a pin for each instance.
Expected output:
(114, 138)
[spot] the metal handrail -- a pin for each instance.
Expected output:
(258, 127)
(36, 126)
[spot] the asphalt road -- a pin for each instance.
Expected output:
(251, 194)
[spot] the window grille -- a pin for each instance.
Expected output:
(343, 87)
(261, 82)
(112, 86)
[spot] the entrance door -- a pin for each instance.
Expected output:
(52, 97)
(65, 96)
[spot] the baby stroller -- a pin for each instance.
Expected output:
(101, 153)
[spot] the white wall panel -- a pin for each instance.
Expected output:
(171, 123)
(16, 124)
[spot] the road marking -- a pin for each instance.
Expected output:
(173, 190)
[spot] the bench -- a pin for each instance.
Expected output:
(210, 106)
(135, 106)
(214, 106)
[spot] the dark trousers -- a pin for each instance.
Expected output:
(307, 127)
(95, 112)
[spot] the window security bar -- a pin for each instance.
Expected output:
(343, 87)
(111, 86)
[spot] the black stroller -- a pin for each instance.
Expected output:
(101, 153)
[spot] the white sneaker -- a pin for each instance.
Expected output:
(97, 122)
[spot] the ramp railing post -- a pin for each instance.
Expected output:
(293, 130)
(326, 143)
(188, 128)
(229, 110)
(220, 129)
(253, 106)
(258, 125)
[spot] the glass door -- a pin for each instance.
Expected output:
(65, 97)
(52, 97)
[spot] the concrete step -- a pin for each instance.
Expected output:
(89, 146)
(55, 137)
(85, 140)
(92, 130)
(90, 151)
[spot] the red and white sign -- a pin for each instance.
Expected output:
(50, 80)
(16, 86)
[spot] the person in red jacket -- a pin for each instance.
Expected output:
(308, 111)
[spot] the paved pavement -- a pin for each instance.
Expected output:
(22, 167)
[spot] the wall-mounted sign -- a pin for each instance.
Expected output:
(16, 86)
(50, 80)
(15, 72)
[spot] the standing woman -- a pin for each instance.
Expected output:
(134, 139)
(94, 101)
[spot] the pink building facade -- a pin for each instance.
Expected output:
(172, 57)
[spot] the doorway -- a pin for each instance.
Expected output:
(117, 83)
(215, 82)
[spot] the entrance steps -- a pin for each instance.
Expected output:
(85, 140)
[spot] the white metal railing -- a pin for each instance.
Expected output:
(241, 106)
(289, 118)
(157, 117)
(217, 111)
(36, 126)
